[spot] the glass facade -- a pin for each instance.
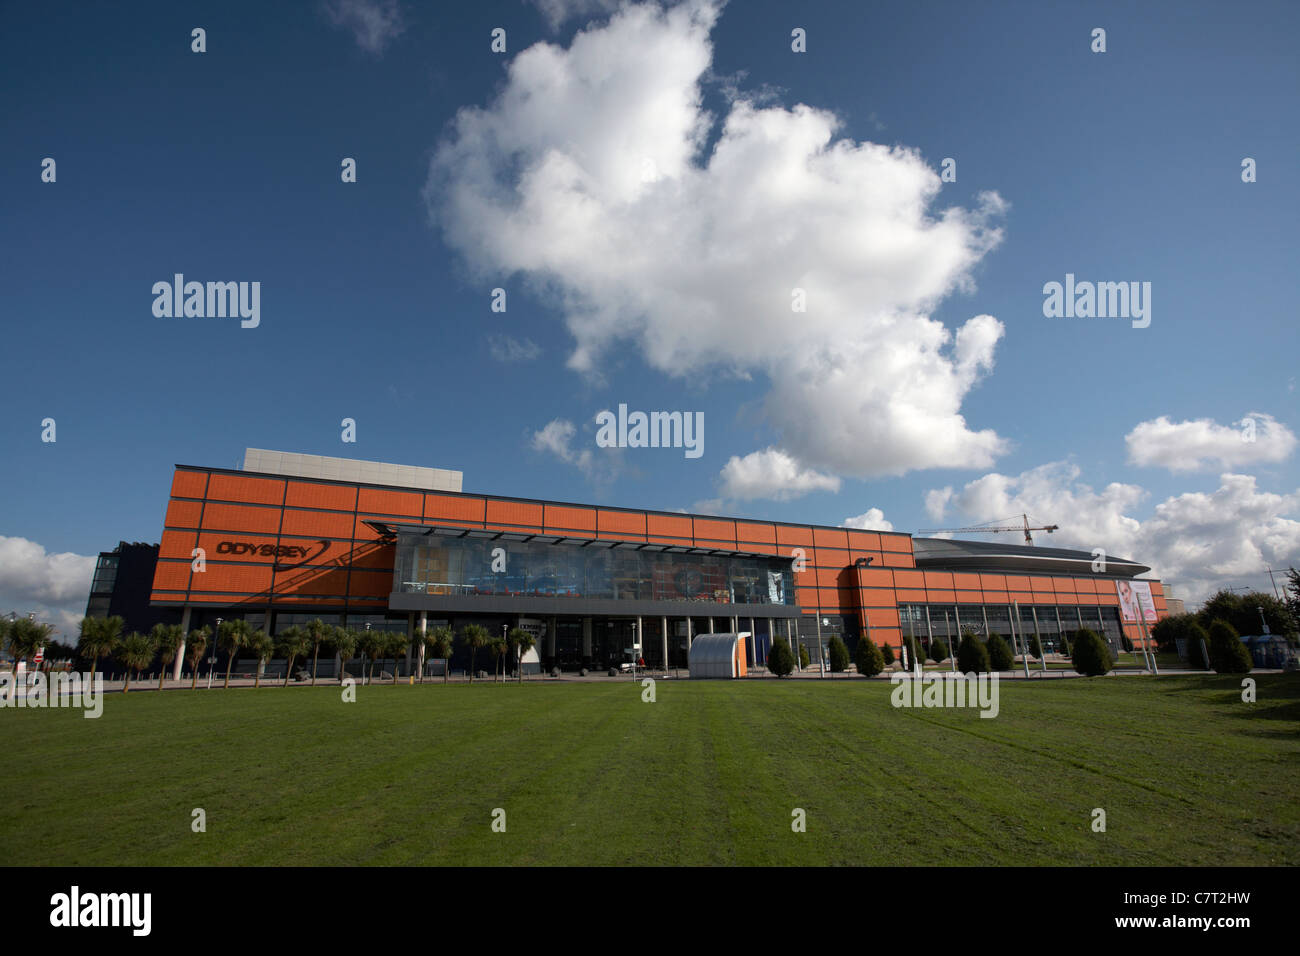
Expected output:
(1048, 621)
(105, 574)
(444, 565)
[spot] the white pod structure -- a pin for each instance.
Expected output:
(718, 655)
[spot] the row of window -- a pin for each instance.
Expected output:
(467, 566)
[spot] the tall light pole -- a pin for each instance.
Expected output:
(212, 656)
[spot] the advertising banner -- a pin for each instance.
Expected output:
(1134, 600)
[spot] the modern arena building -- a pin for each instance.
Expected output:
(294, 537)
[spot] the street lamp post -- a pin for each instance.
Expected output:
(212, 656)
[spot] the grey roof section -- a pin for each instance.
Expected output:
(270, 462)
(993, 556)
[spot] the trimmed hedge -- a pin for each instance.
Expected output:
(804, 660)
(1091, 655)
(1227, 654)
(1000, 656)
(887, 652)
(838, 653)
(1036, 648)
(938, 651)
(780, 659)
(972, 655)
(870, 660)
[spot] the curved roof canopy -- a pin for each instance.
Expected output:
(948, 554)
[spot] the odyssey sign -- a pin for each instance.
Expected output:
(250, 548)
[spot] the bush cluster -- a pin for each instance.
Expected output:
(1091, 655)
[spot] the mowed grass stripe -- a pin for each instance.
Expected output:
(708, 774)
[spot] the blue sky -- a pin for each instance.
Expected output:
(375, 304)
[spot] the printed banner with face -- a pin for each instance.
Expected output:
(1135, 602)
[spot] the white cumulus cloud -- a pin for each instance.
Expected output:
(873, 519)
(771, 473)
(1198, 541)
(1201, 444)
(55, 586)
(588, 174)
(374, 23)
(600, 465)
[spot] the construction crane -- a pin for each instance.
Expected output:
(1029, 538)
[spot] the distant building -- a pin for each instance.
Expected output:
(121, 587)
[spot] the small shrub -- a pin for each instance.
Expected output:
(887, 652)
(1036, 648)
(870, 660)
(780, 659)
(972, 655)
(1091, 655)
(838, 652)
(1065, 646)
(938, 651)
(1000, 656)
(1227, 654)
(804, 660)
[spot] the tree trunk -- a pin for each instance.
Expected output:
(125, 687)
(162, 674)
(229, 664)
(446, 668)
(288, 668)
(194, 682)
(314, 654)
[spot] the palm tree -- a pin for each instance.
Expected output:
(368, 643)
(343, 640)
(263, 648)
(168, 638)
(22, 638)
(474, 636)
(440, 640)
(318, 632)
(521, 642)
(194, 650)
(99, 637)
(293, 641)
(135, 651)
(497, 648)
(398, 644)
(233, 636)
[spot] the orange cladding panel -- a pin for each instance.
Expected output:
(378, 501)
(518, 513)
(671, 527)
(558, 518)
(716, 530)
(318, 524)
(310, 494)
(183, 514)
(245, 489)
(189, 484)
(794, 535)
(831, 538)
(237, 518)
(749, 533)
(171, 575)
(453, 508)
(620, 523)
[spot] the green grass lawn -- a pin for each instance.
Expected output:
(709, 774)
